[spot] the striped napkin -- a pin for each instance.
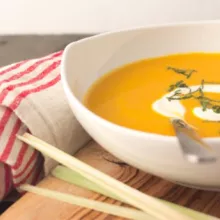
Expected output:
(32, 100)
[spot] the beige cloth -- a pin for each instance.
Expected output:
(32, 99)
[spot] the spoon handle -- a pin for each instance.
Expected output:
(195, 150)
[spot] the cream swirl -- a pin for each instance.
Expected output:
(175, 108)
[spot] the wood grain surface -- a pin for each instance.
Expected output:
(34, 207)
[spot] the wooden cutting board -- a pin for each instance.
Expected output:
(34, 207)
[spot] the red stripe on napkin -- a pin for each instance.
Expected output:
(33, 169)
(40, 76)
(30, 161)
(11, 141)
(28, 70)
(21, 80)
(8, 182)
(15, 66)
(20, 156)
(24, 94)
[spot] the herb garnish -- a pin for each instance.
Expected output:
(179, 84)
(208, 121)
(185, 72)
(198, 94)
(212, 82)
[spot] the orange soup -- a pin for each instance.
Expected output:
(144, 95)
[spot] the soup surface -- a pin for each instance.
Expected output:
(144, 95)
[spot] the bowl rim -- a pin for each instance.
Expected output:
(103, 121)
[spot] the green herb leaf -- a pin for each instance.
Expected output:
(208, 121)
(178, 84)
(212, 82)
(216, 109)
(204, 104)
(177, 70)
(190, 72)
(185, 72)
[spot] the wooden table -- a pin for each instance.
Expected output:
(34, 207)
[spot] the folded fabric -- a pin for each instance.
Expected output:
(32, 100)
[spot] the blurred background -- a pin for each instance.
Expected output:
(94, 16)
(35, 28)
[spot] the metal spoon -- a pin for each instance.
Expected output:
(193, 147)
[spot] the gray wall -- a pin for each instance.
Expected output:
(17, 48)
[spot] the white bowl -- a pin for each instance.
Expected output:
(86, 60)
